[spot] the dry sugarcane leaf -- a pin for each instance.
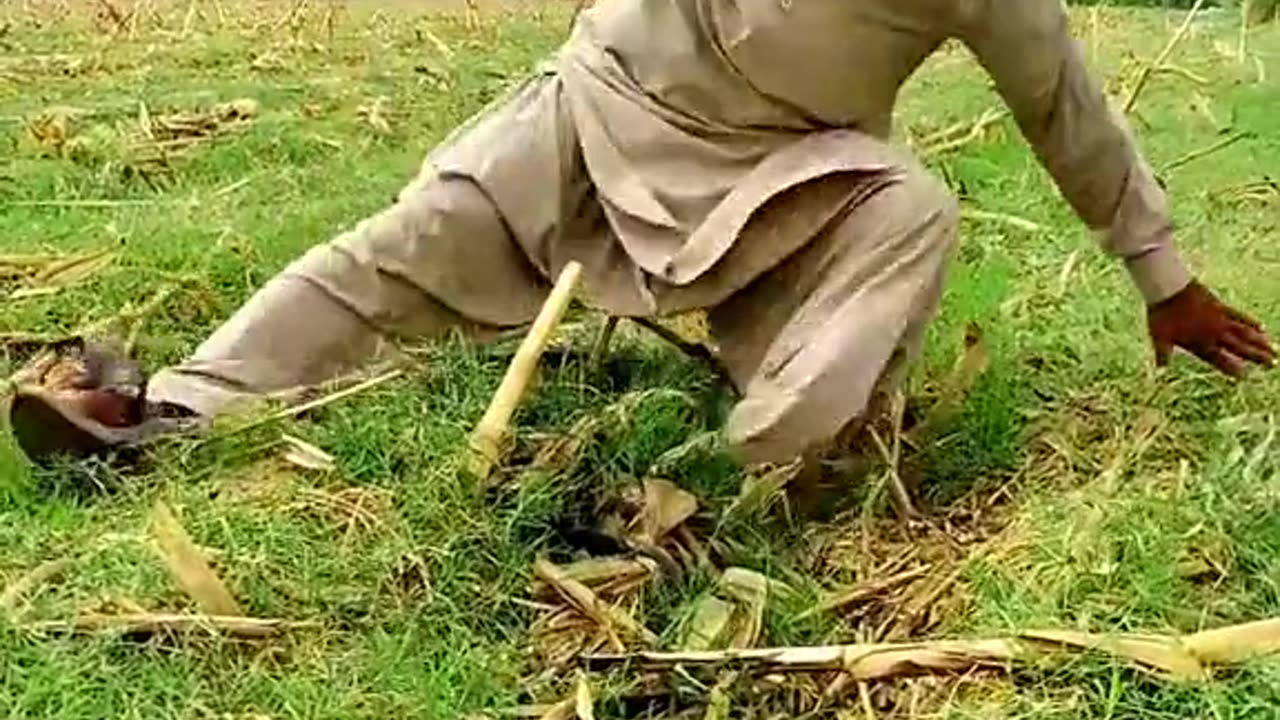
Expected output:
(939, 658)
(569, 619)
(623, 584)
(169, 623)
(305, 455)
(1161, 653)
(51, 129)
(558, 650)
(709, 625)
(562, 453)
(665, 508)
(29, 581)
(69, 269)
(694, 547)
(750, 590)
(915, 610)
(584, 703)
(864, 591)
(590, 604)
(1235, 644)
(532, 711)
(64, 273)
(598, 572)
(12, 266)
(189, 565)
(656, 553)
(563, 710)
(375, 114)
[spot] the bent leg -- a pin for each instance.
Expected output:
(439, 258)
(814, 339)
(499, 208)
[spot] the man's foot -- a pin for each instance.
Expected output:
(49, 424)
(822, 484)
(87, 401)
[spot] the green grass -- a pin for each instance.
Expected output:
(1121, 478)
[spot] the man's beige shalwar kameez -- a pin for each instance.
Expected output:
(719, 154)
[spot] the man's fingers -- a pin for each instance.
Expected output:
(1243, 318)
(1250, 345)
(1220, 358)
(1164, 350)
(1228, 363)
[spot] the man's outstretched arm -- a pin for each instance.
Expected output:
(1027, 48)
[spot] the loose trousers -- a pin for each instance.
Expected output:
(808, 336)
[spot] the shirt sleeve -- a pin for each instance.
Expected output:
(1027, 48)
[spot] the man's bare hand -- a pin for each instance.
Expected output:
(1196, 321)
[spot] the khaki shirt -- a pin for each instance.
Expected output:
(687, 107)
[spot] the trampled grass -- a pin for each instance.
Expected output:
(1098, 494)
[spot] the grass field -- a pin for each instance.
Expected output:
(1077, 487)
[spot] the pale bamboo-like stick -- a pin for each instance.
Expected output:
(869, 661)
(487, 439)
(1147, 71)
(1180, 657)
(161, 623)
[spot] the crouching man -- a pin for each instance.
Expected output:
(728, 155)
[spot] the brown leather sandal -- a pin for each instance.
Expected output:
(86, 400)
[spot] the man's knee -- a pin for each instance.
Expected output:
(910, 215)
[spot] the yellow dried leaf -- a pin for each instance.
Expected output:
(666, 506)
(51, 129)
(305, 455)
(375, 113)
(189, 565)
(588, 603)
(65, 272)
(563, 710)
(596, 573)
